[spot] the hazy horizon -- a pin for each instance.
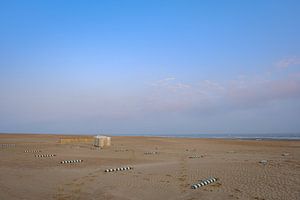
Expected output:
(163, 67)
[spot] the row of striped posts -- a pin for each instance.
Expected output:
(71, 161)
(195, 186)
(118, 169)
(204, 182)
(45, 155)
(62, 162)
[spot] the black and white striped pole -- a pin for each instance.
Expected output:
(118, 169)
(204, 182)
(195, 157)
(71, 161)
(8, 145)
(152, 152)
(32, 151)
(45, 155)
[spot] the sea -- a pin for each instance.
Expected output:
(250, 136)
(240, 136)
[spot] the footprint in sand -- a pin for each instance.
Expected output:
(183, 175)
(72, 190)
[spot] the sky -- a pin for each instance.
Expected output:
(141, 67)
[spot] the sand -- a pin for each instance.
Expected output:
(166, 174)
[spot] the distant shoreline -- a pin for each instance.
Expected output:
(219, 137)
(289, 137)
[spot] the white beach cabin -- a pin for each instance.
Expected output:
(102, 141)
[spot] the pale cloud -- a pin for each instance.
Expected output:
(288, 62)
(209, 95)
(163, 82)
(159, 103)
(170, 83)
(165, 96)
(258, 94)
(169, 79)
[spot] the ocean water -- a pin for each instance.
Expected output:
(263, 136)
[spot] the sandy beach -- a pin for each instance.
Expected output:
(163, 168)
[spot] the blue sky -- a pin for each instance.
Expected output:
(150, 66)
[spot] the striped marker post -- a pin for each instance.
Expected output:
(7, 145)
(32, 151)
(121, 150)
(45, 155)
(152, 152)
(204, 182)
(118, 169)
(195, 157)
(71, 161)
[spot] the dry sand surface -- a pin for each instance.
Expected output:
(167, 174)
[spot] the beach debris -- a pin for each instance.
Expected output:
(118, 169)
(264, 162)
(285, 154)
(195, 157)
(151, 152)
(45, 155)
(204, 182)
(32, 151)
(71, 161)
(7, 145)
